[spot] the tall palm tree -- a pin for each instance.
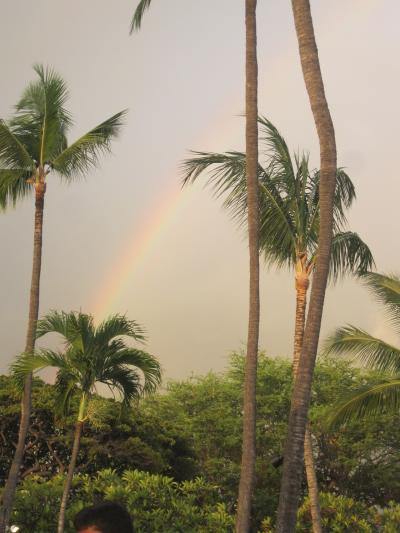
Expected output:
(247, 471)
(91, 355)
(33, 146)
(294, 449)
(289, 212)
(384, 394)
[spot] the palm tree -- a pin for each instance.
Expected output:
(33, 144)
(294, 449)
(289, 213)
(91, 355)
(247, 471)
(384, 394)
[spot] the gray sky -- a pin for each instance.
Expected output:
(125, 240)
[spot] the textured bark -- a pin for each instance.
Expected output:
(294, 449)
(302, 284)
(70, 475)
(12, 480)
(249, 398)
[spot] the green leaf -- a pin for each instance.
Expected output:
(84, 153)
(41, 121)
(349, 255)
(368, 401)
(387, 291)
(13, 186)
(13, 154)
(141, 8)
(373, 352)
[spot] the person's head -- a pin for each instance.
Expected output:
(107, 517)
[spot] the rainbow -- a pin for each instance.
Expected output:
(148, 231)
(153, 225)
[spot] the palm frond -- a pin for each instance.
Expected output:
(13, 153)
(302, 190)
(83, 154)
(138, 15)
(373, 352)
(145, 362)
(367, 401)
(226, 174)
(280, 163)
(224, 171)
(345, 192)
(349, 254)
(73, 326)
(125, 380)
(344, 196)
(386, 289)
(26, 363)
(65, 387)
(13, 186)
(47, 96)
(41, 121)
(117, 326)
(277, 230)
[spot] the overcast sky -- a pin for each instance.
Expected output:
(125, 240)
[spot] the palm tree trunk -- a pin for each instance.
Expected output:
(12, 480)
(312, 482)
(294, 450)
(249, 397)
(302, 284)
(70, 475)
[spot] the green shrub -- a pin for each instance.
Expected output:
(339, 515)
(389, 518)
(156, 503)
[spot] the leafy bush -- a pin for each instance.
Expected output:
(156, 503)
(389, 518)
(344, 515)
(339, 515)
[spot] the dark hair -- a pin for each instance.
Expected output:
(108, 517)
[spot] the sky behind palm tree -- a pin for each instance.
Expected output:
(126, 240)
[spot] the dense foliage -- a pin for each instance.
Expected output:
(193, 430)
(341, 514)
(112, 438)
(156, 503)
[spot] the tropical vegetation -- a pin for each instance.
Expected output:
(33, 145)
(92, 355)
(372, 398)
(221, 452)
(194, 430)
(289, 211)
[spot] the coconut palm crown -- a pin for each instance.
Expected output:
(384, 394)
(34, 142)
(289, 204)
